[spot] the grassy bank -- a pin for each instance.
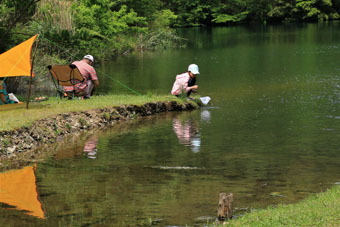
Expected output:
(318, 210)
(14, 116)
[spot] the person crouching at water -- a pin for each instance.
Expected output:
(185, 82)
(84, 89)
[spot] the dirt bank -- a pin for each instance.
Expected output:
(21, 143)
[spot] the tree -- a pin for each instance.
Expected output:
(191, 13)
(258, 10)
(143, 8)
(12, 14)
(280, 10)
(229, 11)
(312, 10)
(102, 28)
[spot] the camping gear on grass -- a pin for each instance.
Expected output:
(12, 97)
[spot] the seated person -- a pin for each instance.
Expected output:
(90, 83)
(4, 98)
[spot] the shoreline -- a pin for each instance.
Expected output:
(44, 132)
(19, 145)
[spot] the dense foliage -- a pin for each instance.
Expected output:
(108, 27)
(204, 12)
(12, 15)
(105, 28)
(70, 28)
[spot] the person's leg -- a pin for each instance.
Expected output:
(2, 93)
(70, 94)
(89, 88)
(2, 98)
(191, 83)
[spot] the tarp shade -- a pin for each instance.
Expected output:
(18, 188)
(17, 61)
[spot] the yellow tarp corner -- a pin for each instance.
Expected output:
(17, 61)
(18, 188)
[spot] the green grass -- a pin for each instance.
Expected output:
(15, 116)
(318, 210)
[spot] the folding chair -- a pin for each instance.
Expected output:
(65, 75)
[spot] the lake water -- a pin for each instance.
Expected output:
(270, 136)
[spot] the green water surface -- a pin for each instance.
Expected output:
(270, 135)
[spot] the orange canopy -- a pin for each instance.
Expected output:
(18, 188)
(17, 61)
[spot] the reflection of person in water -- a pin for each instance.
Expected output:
(187, 133)
(90, 147)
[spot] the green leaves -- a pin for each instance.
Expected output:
(164, 19)
(107, 27)
(101, 31)
(14, 13)
(306, 9)
(198, 12)
(280, 11)
(225, 18)
(315, 10)
(106, 22)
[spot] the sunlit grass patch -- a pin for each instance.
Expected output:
(18, 116)
(318, 210)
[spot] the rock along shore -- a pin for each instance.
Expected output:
(50, 130)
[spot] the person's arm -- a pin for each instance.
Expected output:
(94, 78)
(96, 83)
(195, 87)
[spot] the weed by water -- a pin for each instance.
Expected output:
(57, 131)
(82, 122)
(106, 116)
(149, 94)
(5, 142)
(133, 115)
(68, 126)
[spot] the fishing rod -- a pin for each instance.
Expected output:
(101, 72)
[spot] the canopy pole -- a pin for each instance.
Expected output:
(30, 83)
(2, 81)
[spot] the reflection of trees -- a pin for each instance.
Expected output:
(115, 193)
(252, 155)
(121, 180)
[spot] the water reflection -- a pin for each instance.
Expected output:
(90, 147)
(187, 133)
(205, 116)
(275, 132)
(187, 130)
(18, 189)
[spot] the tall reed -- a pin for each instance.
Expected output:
(57, 14)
